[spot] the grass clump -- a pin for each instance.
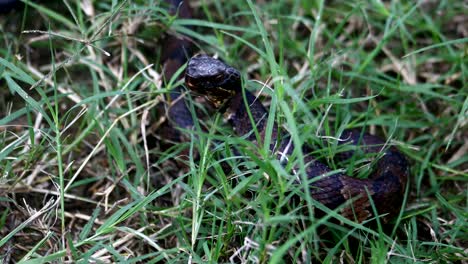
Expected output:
(88, 176)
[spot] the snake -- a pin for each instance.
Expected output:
(380, 194)
(385, 187)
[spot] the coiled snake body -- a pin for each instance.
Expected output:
(222, 85)
(386, 185)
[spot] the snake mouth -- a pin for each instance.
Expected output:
(218, 95)
(209, 87)
(190, 84)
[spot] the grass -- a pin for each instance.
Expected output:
(87, 178)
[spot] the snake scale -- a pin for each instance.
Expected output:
(221, 84)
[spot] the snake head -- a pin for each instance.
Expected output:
(213, 78)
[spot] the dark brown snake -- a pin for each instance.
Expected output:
(221, 84)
